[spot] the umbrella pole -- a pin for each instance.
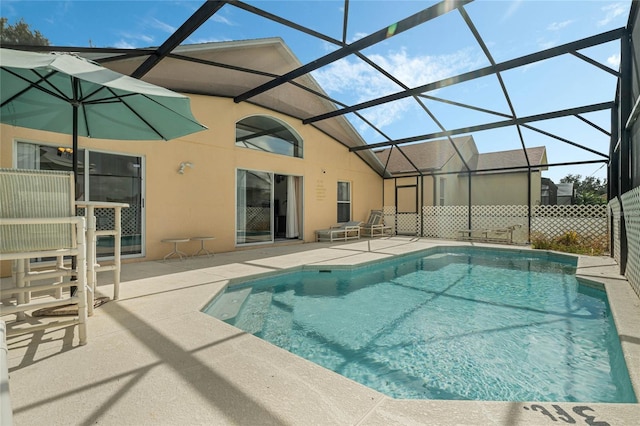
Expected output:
(74, 160)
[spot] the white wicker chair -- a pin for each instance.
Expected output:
(37, 219)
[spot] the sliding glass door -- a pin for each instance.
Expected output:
(267, 207)
(101, 177)
(117, 178)
(254, 217)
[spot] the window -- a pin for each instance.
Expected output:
(110, 177)
(443, 183)
(344, 202)
(269, 135)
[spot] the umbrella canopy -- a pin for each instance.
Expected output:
(65, 93)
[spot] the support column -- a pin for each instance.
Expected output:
(529, 202)
(624, 174)
(469, 200)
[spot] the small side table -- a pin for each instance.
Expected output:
(202, 247)
(175, 242)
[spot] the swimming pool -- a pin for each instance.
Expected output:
(454, 324)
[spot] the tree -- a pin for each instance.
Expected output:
(20, 33)
(590, 190)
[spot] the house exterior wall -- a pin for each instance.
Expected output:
(424, 188)
(487, 189)
(505, 189)
(202, 200)
(456, 188)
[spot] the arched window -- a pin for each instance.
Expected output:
(269, 135)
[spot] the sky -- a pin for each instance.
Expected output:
(441, 48)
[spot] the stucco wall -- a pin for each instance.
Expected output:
(424, 188)
(505, 189)
(487, 189)
(202, 200)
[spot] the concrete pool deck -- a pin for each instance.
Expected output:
(154, 358)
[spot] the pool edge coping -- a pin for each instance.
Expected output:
(622, 309)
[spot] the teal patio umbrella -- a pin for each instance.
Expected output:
(64, 93)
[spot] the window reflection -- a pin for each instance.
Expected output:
(266, 134)
(253, 206)
(112, 178)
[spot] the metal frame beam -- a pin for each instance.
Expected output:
(596, 63)
(378, 36)
(324, 37)
(461, 105)
(489, 126)
(502, 169)
(200, 16)
(481, 72)
(210, 7)
(275, 18)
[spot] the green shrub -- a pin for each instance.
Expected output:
(571, 242)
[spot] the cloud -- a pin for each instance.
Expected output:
(556, 26)
(158, 24)
(614, 61)
(352, 77)
(515, 5)
(611, 12)
(122, 44)
(148, 26)
(222, 20)
(544, 45)
(330, 47)
(357, 36)
(139, 37)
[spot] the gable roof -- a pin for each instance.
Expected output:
(426, 156)
(230, 68)
(432, 156)
(510, 159)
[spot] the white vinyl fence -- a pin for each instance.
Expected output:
(589, 221)
(629, 207)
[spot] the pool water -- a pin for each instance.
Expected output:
(474, 325)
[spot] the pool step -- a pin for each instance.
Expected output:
(256, 308)
(278, 327)
(229, 303)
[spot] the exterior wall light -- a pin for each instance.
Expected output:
(183, 165)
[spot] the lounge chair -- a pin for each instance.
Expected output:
(37, 220)
(495, 235)
(375, 227)
(342, 232)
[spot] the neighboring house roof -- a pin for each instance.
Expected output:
(509, 159)
(426, 156)
(243, 65)
(433, 156)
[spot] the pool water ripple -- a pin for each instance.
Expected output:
(463, 325)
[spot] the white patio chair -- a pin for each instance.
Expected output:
(375, 227)
(37, 220)
(343, 232)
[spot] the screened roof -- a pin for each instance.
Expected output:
(417, 72)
